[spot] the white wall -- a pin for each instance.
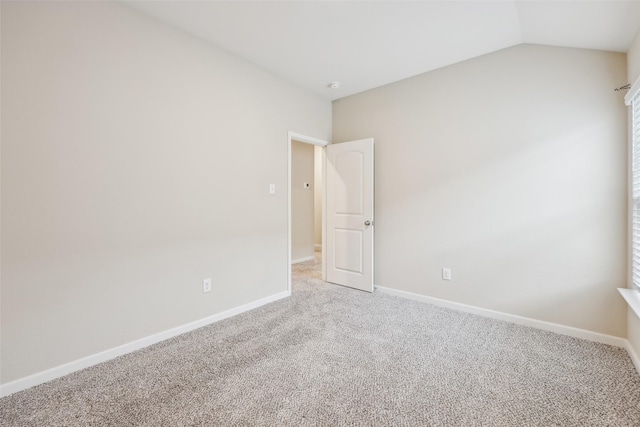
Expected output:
(135, 162)
(633, 60)
(302, 209)
(633, 70)
(317, 195)
(510, 169)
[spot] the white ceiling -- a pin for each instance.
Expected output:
(366, 44)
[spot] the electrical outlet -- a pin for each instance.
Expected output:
(206, 285)
(446, 274)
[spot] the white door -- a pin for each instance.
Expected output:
(349, 197)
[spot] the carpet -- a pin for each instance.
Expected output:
(332, 356)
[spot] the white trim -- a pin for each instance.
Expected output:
(305, 259)
(289, 141)
(632, 184)
(94, 359)
(633, 355)
(632, 297)
(308, 139)
(291, 136)
(324, 214)
(635, 88)
(512, 318)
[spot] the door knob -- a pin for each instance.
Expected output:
(367, 223)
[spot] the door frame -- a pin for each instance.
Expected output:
(293, 136)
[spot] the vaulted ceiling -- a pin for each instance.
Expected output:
(366, 44)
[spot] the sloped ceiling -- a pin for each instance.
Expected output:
(366, 44)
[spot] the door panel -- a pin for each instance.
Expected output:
(348, 190)
(349, 196)
(348, 250)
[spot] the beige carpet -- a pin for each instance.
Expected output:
(334, 356)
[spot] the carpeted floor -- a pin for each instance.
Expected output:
(335, 356)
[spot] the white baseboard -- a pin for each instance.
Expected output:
(633, 355)
(512, 318)
(94, 359)
(305, 259)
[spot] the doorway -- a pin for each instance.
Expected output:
(306, 183)
(347, 211)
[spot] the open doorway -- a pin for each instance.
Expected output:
(347, 211)
(306, 209)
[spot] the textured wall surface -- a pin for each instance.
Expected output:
(510, 169)
(136, 162)
(302, 204)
